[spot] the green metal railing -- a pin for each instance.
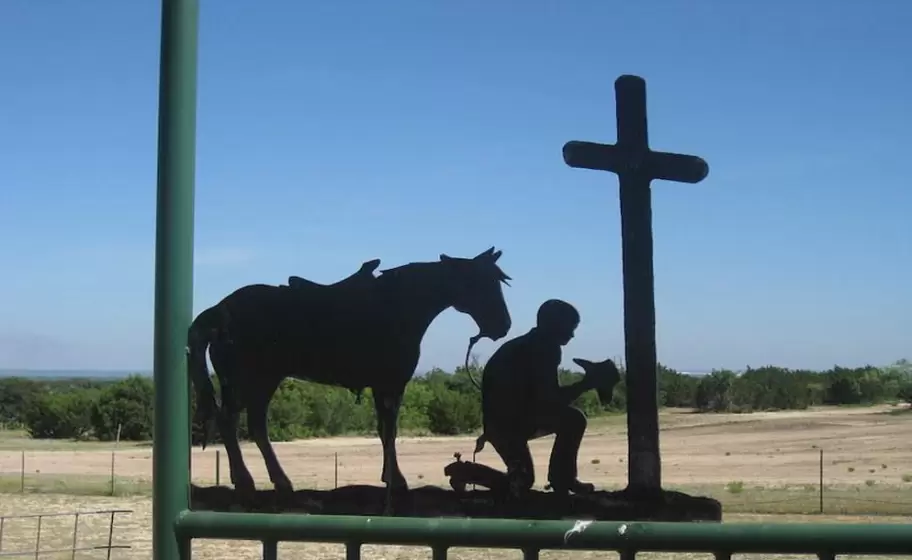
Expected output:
(174, 527)
(723, 540)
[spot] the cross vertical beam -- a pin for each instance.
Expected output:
(174, 273)
(636, 167)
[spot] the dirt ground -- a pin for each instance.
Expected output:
(860, 445)
(758, 449)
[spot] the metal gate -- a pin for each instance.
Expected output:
(174, 526)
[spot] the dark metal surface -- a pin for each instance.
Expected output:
(636, 167)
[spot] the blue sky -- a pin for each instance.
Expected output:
(337, 132)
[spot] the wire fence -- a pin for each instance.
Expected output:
(806, 483)
(57, 543)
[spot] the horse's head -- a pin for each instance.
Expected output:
(477, 292)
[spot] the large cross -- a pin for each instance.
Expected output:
(636, 167)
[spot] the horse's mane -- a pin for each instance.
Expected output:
(396, 272)
(408, 267)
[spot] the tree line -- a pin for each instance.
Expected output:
(435, 403)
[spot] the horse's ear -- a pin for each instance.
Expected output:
(485, 254)
(444, 257)
(496, 255)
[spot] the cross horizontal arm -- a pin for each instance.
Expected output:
(676, 167)
(592, 155)
(655, 165)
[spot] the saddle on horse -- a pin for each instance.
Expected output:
(360, 278)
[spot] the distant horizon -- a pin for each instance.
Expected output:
(114, 373)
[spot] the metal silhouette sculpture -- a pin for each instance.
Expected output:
(365, 332)
(522, 400)
(636, 166)
(361, 332)
(563, 420)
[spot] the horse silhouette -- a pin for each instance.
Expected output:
(364, 331)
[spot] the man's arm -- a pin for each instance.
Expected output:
(572, 392)
(548, 392)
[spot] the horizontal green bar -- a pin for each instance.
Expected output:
(795, 538)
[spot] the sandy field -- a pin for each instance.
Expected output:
(867, 448)
(760, 448)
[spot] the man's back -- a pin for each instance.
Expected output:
(514, 378)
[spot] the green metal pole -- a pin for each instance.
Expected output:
(174, 272)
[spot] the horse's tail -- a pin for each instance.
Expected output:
(205, 329)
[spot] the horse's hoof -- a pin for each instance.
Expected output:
(283, 487)
(398, 486)
(388, 508)
(246, 493)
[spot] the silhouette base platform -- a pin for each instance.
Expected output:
(432, 501)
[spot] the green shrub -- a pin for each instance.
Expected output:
(451, 413)
(17, 395)
(127, 405)
(60, 415)
(437, 402)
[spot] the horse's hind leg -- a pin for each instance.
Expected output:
(387, 404)
(228, 423)
(257, 409)
(227, 418)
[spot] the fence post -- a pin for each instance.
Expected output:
(22, 473)
(218, 467)
(270, 550)
(38, 537)
(116, 445)
(821, 481)
(75, 535)
(336, 478)
(171, 458)
(111, 534)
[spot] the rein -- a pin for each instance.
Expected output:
(482, 439)
(472, 342)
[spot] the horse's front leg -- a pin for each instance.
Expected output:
(386, 405)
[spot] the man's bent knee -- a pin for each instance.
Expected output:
(520, 480)
(573, 419)
(520, 469)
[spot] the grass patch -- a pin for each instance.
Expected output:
(19, 440)
(736, 496)
(75, 485)
(880, 499)
(900, 410)
(610, 421)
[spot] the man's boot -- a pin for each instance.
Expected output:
(575, 486)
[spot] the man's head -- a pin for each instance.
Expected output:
(558, 320)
